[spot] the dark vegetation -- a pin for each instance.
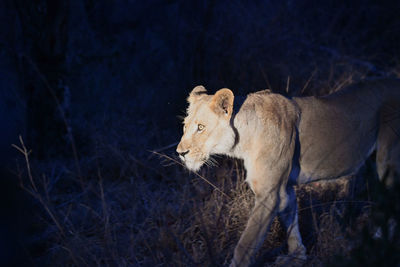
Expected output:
(93, 87)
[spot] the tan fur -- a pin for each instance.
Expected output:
(222, 102)
(336, 134)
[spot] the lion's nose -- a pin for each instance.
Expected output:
(183, 153)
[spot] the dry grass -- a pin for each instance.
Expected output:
(118, 204)
(171, 218)
(125, 209)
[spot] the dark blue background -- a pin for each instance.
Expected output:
(85, 69)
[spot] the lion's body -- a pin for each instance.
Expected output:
(335, 135)
(339, 131)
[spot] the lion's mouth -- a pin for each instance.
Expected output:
(193, 164)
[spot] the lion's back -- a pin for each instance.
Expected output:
(337, 132)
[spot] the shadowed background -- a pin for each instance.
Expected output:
(93, 86)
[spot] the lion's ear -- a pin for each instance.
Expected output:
(222, 102)
(196, 93)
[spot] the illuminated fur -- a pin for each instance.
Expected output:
(334, 135)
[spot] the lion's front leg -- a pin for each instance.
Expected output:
(264, 211)
(268, 182)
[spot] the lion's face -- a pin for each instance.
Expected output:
(206, 129)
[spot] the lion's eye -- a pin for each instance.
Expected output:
(200, 127)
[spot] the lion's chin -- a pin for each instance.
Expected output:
(193, 165)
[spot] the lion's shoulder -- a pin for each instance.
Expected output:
(268, 106)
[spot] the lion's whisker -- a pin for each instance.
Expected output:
(212, 162)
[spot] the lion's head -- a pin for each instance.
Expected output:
(207, 128)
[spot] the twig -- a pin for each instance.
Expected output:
(197, 174)
(64, 117)
(106, 216)
(26, 153)
(164, 148)
(314, 221)
(308, 82)
(141, 164)
(265, 76)
(338, 202)
(33, 190)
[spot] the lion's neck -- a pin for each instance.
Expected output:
(237, 105)
(240, 123)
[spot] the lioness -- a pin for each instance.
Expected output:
(289, 141)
